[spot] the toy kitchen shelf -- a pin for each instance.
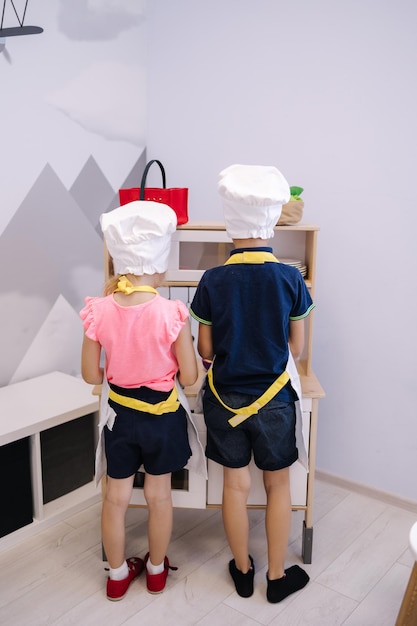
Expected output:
(195, 248)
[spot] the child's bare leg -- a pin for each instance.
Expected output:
(236, 486)
(157, 491)
(277, 519)
(115, 503)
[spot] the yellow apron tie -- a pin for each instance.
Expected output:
(170, 405)
(250, 256)
(125, 286)
(245, 412)
(242, 414)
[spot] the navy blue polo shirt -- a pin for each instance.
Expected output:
(249, 307)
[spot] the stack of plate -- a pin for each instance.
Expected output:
(295, 263)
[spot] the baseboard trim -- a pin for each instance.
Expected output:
(366, 490)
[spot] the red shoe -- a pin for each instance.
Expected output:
(156, 582)
(116, 589)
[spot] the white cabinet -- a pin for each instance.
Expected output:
(44, 410)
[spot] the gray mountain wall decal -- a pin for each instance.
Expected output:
(51, 248)
(92, 192)
(135, 175)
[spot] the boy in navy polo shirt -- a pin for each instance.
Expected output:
(251, 324)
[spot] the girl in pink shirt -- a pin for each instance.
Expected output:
(147, 344)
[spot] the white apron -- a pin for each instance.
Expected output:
(299, 435)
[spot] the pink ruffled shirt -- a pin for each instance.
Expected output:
(137, 340)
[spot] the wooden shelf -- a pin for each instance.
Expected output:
(220, 226)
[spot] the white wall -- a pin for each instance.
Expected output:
(72, 111)
(326, 91)
(69, 93)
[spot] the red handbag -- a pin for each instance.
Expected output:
(175, 197)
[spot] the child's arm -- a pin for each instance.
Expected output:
(205, 342)
(296, 338)
(185, 353)
(90, 362)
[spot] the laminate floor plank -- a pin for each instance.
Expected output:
(363, 563)
(382, 603)
(360, 569)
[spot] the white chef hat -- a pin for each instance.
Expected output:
(252, 197)
(138, 236)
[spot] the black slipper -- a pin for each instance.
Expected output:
(295, 579)
(243, 582)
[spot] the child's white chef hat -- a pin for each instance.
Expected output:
(138, 236)
(252, 197)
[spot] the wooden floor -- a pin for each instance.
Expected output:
(361, 565)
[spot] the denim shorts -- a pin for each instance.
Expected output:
(269, 434)
(159, 442)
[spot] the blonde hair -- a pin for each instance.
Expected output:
(110, 285)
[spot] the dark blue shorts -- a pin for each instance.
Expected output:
(269, 434)
(159, 442)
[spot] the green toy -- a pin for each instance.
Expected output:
(296, 193)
